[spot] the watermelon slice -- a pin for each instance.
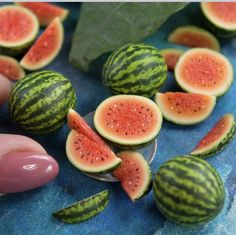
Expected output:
(88, 156)
(10, 68)
(45, 11)
(46, 48)
(217, 138)
(128, 121)
(204, 71)
(171, 56)
(19, 28)
(134, 173)
(185, 108)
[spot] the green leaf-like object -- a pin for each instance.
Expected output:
(103, 27)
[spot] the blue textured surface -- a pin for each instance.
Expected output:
(30, 212)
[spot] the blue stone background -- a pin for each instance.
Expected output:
(29, 213)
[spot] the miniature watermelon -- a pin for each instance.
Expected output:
(84, 209)
(185, 108)
(217, 138)
(19, 28)
(75, 121)
(193, 36)
(188, 190)
(128, 121)
(171, 56)
(134, 174)
(46, 48)
(10, 68)
(204, 71)
(220, 17)
(40, 101)
(135, 69)
(45, 11)
(88, 156)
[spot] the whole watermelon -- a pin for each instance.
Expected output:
(40, 101)
(135, 69)
(188, 190)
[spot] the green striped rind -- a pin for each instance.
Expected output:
(135, 69)
(188, 190)
(217, 147)
(84, 209)
(39, 102)
(220, 31)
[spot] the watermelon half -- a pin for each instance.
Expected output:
(45, 11)
(134, 174)
(185, 108)
(19, 28)
(220, 17)
(88, 156)
(129, 121)
(46, 48)
(204, 71)
(217, 138)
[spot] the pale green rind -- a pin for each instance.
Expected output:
(220, 29)
(181, 121)
(14, 48)
(214, 43)
(188, 88)
(84, 209)
(106, 168)
(126, 141)
(188, 190)
(219, 145)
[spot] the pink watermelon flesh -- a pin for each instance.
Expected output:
(10, 68)
(127, 119)
(216, 133)
(171, 57)
(223, 11)
(46, 48)
(89, 156)
(46, 12)
(15, 25)
(75, 121)
(134, 174)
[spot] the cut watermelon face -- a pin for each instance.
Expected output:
(185, 108)
(88, 156)
(217, 138)
(46, 12)
(204, 71)
(10, 68)
(134, 173)
(46, 48)
(128, 120)
(221, 14)
(192, 36)
(19, 27)
(171, 56)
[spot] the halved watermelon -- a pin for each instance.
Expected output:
(193, 36)
(10, 68)
(217, 138)
(171, 56)
(19, 28)
(128, 120)
(88, 156)
(204, 71)
(75, 121)
(46, 48)
(134, 173)
(45, 11)
(220, 17)
(185, 108)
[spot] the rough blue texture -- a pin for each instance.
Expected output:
(30, 212)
